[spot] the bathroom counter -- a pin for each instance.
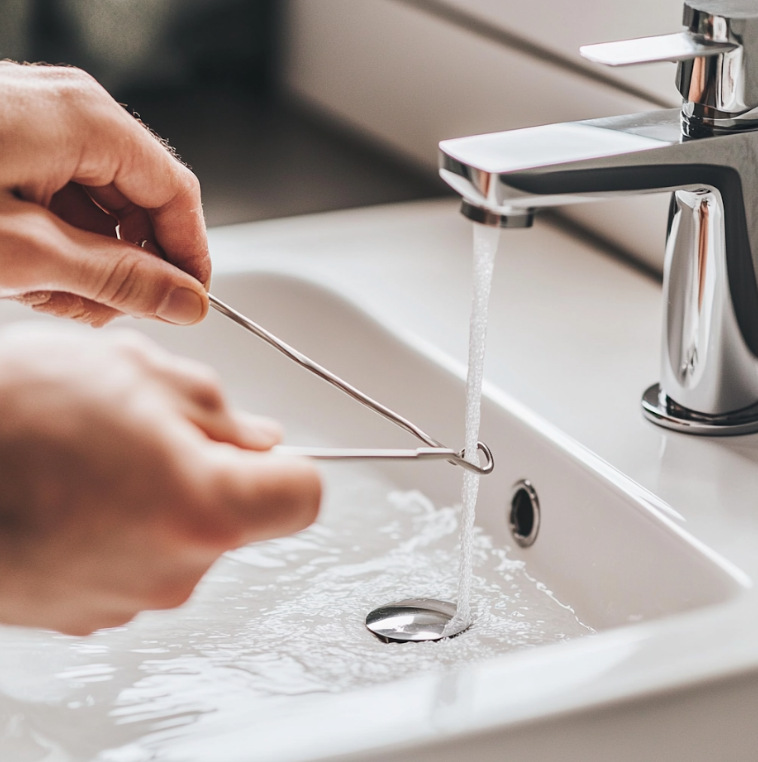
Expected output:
(573, 335)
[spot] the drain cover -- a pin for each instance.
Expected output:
(411, 620)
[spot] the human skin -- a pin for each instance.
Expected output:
(125, 471)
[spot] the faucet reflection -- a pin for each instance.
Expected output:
(707, 154)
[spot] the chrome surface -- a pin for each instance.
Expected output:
(517, 218)
(550, 165)
(662, 410)
(725, 83)
(318, 370)
(695, 124)
(681, 46)
(717, 55)
(705, 363)
(420, 453)
(706, 154)
(524, 491)
(411, 620)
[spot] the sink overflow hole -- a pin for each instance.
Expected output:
(524, 519)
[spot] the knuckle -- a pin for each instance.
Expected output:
(210, 530)
(78, 75)
(120, 282)
(278, 497)
(207, 390)
(201, 383)
(189, 179)
(188, 188)
(72, 83)
(67, 72)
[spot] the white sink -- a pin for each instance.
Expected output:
(270, 660)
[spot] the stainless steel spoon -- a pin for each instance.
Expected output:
(433, 450)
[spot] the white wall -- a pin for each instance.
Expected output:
(408, 79)
(564, 25)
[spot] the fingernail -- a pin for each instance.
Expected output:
(182, 306)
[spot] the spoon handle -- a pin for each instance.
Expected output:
(351, 391)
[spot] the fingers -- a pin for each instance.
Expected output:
(65, 127)
(222, 424)
(243, 497)
(130, 172)
(82, 623)
(69, 306)
(74, 205)
(60, 257)
(268, 495)
(68, 619)
(208, 411)
(256, 432)
(134, 222)
(142, 499)
(196, 390)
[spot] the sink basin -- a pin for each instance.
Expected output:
(270, 659)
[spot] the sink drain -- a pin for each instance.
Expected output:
(524, 519)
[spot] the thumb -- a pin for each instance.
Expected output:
(130, 279)
(115, 273)
(265, 495)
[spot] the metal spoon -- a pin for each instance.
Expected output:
(434, 449)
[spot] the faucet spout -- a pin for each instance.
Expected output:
(511, 218)
(709, 378)
(707, 155)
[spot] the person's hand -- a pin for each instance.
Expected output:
(124, 475)
(97, 217)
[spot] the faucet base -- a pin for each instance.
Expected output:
(663, 411)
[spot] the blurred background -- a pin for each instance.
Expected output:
(285, 107)
(205, 75)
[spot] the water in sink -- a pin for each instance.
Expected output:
(271, 622)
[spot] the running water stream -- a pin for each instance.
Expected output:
(485, 248)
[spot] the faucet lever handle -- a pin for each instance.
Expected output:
(717, 56)
(682, 46)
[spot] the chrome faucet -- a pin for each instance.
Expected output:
(707, 154)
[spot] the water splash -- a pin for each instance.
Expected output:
(272, 626)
